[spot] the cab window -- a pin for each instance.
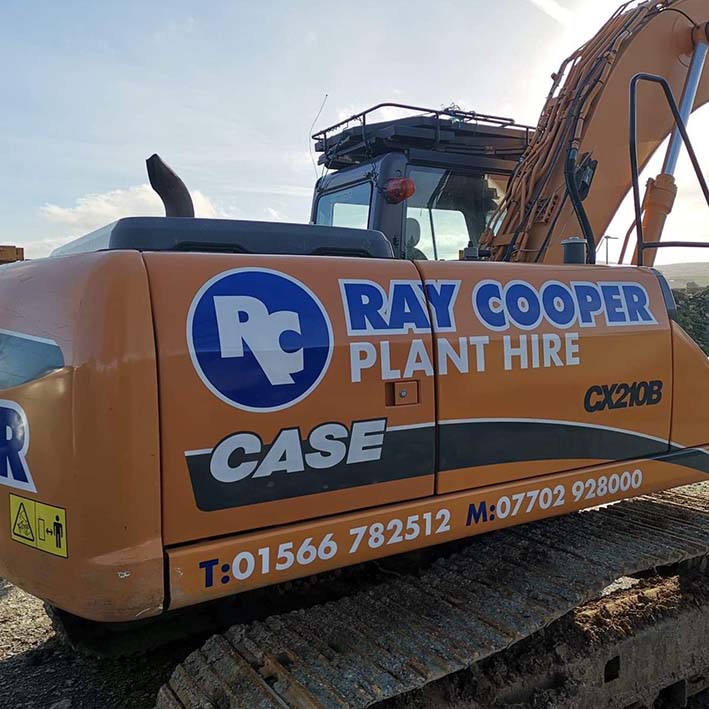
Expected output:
(348, 207)
(448, 210)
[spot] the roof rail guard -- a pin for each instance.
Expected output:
(450, 112)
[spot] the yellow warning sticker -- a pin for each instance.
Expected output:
(38, 525)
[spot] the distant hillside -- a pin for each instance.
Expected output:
(679, 274)
(693, 315)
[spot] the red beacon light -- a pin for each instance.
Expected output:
(397, 189)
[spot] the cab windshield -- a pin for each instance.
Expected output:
(448, 210)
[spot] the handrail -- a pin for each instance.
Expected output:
(642, 245)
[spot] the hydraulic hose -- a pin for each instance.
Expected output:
(573, 192)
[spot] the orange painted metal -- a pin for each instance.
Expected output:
(111, 429)
(94, 445)
(607, 355)
(212, 569)
(193, 418)
(491, 413)
(690, 374)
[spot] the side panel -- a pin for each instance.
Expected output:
(690, 403)
(89, 434)
(221, 567)
(274, 408)
(548, 369)
(536, 412)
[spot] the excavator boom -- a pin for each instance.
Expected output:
(577, 170)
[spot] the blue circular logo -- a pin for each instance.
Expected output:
(259, 339)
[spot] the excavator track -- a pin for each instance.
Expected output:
(642, 644)
(401, 635)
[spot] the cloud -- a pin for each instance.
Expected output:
(387, 113)
(273, 190)
(97, 209)
(43, 247)
(346, 111)
(555, 10)
(300, 161)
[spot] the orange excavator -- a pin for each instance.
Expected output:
(327, 420)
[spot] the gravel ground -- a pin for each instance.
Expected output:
(38, 670)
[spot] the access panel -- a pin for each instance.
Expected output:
(290, 388)
(545, 368)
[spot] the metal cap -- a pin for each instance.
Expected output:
(574, 250)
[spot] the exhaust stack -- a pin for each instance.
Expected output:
(170, 188)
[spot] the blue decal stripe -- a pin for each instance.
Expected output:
(24, 358)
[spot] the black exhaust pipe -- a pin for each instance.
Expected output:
(170, 188)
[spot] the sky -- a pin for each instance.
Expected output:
(227, 91)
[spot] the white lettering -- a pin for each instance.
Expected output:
(418, 360)
(535, 351)
(366, 441)
(242, 456)
(285, 454)
(479, 342)
(219, 465)
(551, 346)
(572, 348)
(511, 352)
(459, 357)
(363, 355)
(329, 451)
(387, 371)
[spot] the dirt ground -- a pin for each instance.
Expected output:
(38, 670)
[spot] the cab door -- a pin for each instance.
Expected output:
(290, 388)
(546, 368)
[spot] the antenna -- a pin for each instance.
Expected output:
(310, 145)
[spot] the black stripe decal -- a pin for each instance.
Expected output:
(406, 453)
(694, 458)
(475, 443)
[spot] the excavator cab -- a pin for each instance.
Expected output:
(427, 181)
